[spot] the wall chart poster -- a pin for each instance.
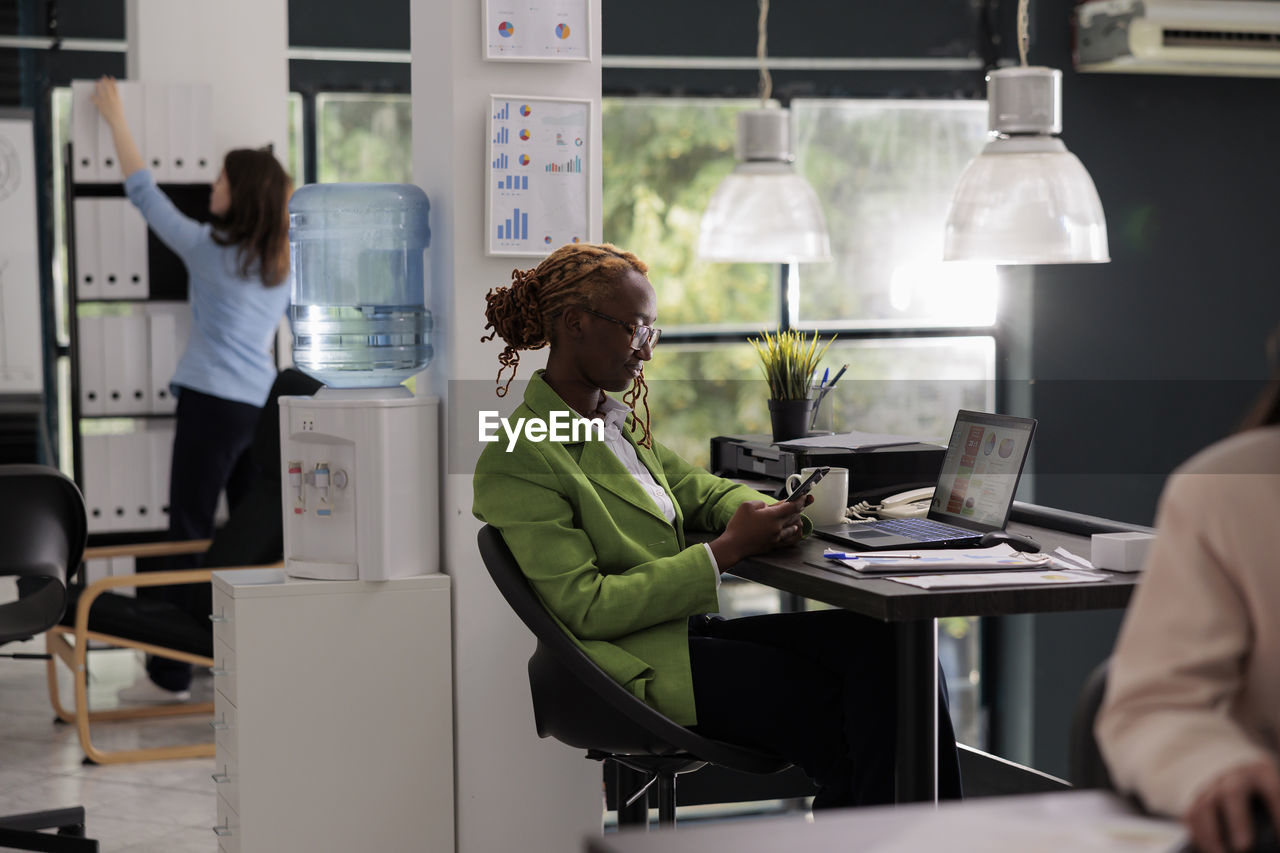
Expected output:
(538, 195)
(534, 30)
(21, 369)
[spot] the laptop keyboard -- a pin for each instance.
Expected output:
(920, 529)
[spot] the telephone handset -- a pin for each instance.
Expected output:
(910, 504)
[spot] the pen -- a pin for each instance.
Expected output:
(839, 373)
(825, 371)
(840, 555)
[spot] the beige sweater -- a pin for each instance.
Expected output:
(1194, 687)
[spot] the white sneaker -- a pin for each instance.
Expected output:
(144, 691)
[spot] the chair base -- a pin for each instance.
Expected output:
(22, 832)
(638, 773)
(59, 644)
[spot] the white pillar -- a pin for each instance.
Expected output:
(240, 47)
(514, 790)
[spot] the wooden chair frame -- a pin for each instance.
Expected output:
(71, 646)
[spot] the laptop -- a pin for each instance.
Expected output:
(973, 495)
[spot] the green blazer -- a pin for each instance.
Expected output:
(619, 579)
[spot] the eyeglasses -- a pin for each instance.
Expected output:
(640, 335)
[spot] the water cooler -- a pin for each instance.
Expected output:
(361, 486)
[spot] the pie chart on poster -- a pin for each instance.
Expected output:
(989, 445)
(1006, 448)
(524, 134)
(562, 31)
(506, 29)
(524, 159)
(524, 110)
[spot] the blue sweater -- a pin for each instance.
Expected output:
(233, 318)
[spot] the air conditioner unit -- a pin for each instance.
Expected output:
(1239, 38)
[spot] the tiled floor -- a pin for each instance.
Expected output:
(150, 807)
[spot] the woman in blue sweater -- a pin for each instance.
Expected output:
(238, 266)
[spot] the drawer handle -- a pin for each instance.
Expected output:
(222, 830)
(220, 672)
(221, 778)
(219, 725)
(218, 617)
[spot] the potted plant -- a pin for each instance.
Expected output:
(789, 361)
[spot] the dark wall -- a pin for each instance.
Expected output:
(1143, 361)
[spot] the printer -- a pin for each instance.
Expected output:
(874, 472)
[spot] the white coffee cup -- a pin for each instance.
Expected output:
(830, 495)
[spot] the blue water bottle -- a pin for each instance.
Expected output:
(357, 269)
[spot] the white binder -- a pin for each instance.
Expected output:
(162, 336)
(88, 276)
(129, 477)
(96, 482)
(111, 248)
(122, 566)
(91, 354)
(160, 448)
(206, 165)
(134, 270)
(181, 161)
(133, 353)
(96, 570)
(155, 134)
(114, 379)
(84, 132)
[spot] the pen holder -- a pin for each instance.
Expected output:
(790, 419)
(819, 394)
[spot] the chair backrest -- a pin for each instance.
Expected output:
(42, 538)
(577, 703)
(1085, 764)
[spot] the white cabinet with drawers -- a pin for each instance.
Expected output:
(333, 713)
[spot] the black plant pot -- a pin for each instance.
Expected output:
(790, 419)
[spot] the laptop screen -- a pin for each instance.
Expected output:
(981, 469)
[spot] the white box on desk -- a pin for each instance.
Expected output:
(1120, 552)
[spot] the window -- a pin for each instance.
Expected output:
(363, 137)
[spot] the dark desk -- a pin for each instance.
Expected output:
(915, 611)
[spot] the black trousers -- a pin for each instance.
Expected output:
(817, 688)
(210, 453)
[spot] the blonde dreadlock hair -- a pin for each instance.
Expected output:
(578, 275)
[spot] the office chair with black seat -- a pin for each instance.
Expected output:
(43, 531)
(252, 536)
(578, 704)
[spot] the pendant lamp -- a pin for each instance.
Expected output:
(1025, 199)
(764, 211)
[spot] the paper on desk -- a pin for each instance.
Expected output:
(942, 560)
(988, 579)
(858, 440)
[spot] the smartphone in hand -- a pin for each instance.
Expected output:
(808, 484)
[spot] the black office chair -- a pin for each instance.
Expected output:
(42, 536)
(1085, 764)
(578, 704)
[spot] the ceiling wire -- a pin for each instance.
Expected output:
(762, 38)
(1023, 30)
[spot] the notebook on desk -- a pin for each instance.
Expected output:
(973, 495)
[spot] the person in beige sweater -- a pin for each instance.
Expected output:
(1191, 717)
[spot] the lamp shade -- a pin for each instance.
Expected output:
(1025, 199)
(764, 211)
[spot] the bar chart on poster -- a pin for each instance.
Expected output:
(538, 192)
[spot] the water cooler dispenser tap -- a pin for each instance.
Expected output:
(324, 508)
(295, 480)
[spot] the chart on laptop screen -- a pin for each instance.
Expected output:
(980, 471)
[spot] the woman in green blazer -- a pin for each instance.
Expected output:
(597, 522)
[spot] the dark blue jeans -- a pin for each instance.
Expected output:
(210, 453)
(817, 688)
